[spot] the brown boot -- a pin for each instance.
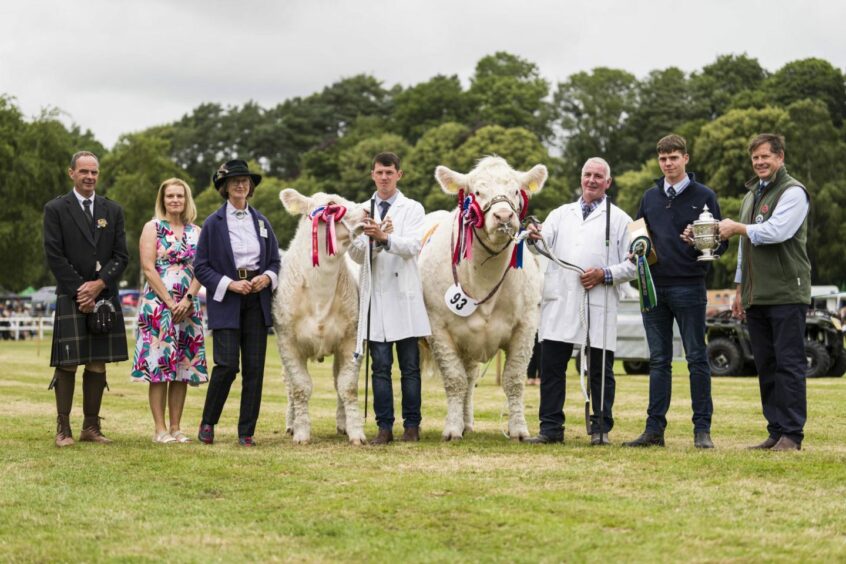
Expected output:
(64, 437)
(93, 384)
(63, 383)
(766, 445)
(411, 435)
(384, 437)
(91, 431)
(785, 443)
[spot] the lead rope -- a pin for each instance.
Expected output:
(584, 318)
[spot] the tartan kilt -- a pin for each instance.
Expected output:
(73, 345)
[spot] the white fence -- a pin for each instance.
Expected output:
(21, 327)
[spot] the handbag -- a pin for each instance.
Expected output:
(102, 319)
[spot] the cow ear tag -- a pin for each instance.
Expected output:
(458, 302)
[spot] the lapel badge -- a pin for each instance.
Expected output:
(759, 218)
(765, 208)
(102, 223)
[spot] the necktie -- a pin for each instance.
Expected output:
(86, 204)
(585, 211)
(671, 193)
(758, 193)
(384, 206)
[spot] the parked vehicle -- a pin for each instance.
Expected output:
(730, 351)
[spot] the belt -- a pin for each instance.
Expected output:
(244, 274)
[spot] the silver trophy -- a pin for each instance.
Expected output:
(706, 235)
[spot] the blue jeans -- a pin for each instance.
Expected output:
(383, 395)
(685, 305)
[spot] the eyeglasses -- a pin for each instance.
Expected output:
(240, 180)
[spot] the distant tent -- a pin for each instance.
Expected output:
(27, 292)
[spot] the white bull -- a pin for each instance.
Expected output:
(315, 310)
(508, 319)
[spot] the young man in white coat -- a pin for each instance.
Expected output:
(397, 312)
(575, 233)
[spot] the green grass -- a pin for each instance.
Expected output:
(482, 499)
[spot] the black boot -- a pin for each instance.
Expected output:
(63, 384)
(93, 384)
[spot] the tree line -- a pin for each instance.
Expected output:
(324, 142)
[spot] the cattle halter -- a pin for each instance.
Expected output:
(470, 217)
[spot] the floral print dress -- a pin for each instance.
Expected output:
(164, 351)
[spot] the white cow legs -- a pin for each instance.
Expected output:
(346, 384)
(471, 368)
(513, 384)
(300, 386)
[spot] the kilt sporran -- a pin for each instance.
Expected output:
(102, 319)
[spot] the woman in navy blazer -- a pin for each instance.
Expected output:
(238, 263)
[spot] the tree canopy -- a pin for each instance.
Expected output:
(325, 142)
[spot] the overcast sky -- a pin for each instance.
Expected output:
(116, 66)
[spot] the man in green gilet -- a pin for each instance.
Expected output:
(774, 287)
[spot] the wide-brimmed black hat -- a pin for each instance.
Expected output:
(233, 168)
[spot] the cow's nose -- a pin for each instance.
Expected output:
(504, 216)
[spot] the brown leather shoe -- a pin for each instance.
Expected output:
(411, 435)
(786, 443)
(384, 437)
(64, 436)
(766, 445)
(91, 431)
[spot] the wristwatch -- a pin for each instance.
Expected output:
(189, 296)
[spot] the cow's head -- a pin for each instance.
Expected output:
(326, 212)
(497, 189)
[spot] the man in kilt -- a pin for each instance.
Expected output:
(85, 244)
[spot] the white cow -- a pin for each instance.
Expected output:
(508, 319)
(315, 310)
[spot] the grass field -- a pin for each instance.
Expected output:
(481, 499)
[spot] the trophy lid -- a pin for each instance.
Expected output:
(705, 216)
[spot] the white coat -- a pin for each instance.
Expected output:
(582, 242)
(397, 310)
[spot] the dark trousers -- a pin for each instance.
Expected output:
(685, 305)
(777, 333)
(250, 343)
(533, 370)
(554, 358)
(382, 357)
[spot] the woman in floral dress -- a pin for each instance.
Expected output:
(169, 348)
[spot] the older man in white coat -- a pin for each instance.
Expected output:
(397, 312)
(575, 233)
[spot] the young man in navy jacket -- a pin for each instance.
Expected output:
(668, 208)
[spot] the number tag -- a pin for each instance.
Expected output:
(458, 302)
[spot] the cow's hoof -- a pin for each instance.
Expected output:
(341, 430)
(289, 431)
(302, 438)
(452, 437)
(358, 438)
(468, 428)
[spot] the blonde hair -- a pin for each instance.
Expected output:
(189, 214)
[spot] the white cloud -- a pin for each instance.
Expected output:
(120, 66)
